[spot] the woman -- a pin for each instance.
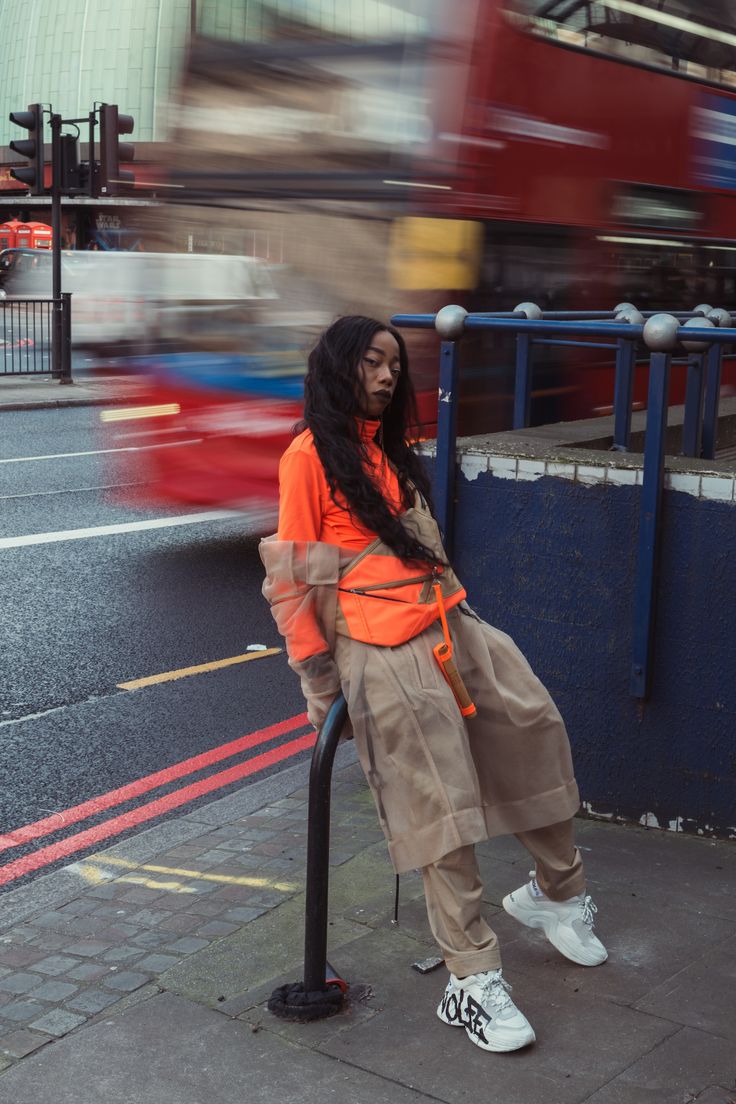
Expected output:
(458, 739)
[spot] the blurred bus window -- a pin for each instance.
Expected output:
(694, 38)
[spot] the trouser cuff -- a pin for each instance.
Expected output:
(477, 962)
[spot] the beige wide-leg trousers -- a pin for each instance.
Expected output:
(453, 892)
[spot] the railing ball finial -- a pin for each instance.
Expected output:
(660, 333)
(630, 315)
(529, 310)
(720, 317)
(621, 307)
(703, 308)
(450, 322)
(700, 323)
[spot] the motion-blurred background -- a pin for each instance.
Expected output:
(299, 159)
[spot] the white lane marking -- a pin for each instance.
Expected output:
(98, 452)
(73, 490)
(124, 527)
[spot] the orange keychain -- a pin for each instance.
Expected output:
(443, 655)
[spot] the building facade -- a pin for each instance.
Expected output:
(71, 55)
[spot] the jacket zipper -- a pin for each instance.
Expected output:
(361, 555)
(386, 586)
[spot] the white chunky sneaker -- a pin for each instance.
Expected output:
(567, 924)
(482, 1005)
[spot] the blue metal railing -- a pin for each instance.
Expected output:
(446, 436)
(701, 333)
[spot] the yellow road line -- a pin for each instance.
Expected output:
(200, 669)
(132, 413)
(92, 869)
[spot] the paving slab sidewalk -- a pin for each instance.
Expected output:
(41, 392)
(142, 973)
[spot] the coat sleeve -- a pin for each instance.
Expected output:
(320, 681)
(301, 581)
(300, 522)
(301, 588)
(301, 494)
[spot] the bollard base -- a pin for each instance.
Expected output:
(292, 1002)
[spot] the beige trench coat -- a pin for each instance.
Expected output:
(439, 781)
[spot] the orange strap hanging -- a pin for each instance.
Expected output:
(447, 665)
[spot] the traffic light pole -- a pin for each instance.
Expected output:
(70, 177)
(92, 180)
(60, 369)
(61, 364)
(56, 206)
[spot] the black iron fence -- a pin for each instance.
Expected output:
(27, 337)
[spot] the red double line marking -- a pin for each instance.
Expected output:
(90, 836)
(149, 782)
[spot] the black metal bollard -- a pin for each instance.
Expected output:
(322, 992)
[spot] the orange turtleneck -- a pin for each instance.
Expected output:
(307, 511)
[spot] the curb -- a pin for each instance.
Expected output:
(50, 404)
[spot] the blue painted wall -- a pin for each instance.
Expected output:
(552, 562)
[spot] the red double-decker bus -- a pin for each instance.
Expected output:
(570, 153)
(596, 145)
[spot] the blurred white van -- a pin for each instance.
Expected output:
(134, 301)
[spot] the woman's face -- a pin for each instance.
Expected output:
(378, 374)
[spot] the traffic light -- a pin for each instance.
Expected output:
(74, 173)
(69, 164)
(32, 148)
(111, 177)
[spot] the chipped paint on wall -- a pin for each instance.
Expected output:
(551, 559)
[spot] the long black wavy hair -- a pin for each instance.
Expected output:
(332, 391)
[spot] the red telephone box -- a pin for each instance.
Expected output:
(9, 233)
(34, 235)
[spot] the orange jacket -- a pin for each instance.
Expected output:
(382, 600)
(307, 511)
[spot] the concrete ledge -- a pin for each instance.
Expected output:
(563, 443)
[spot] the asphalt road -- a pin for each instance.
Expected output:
(82, 616)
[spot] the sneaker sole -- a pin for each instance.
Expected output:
(497, 1047)
(548, 924)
